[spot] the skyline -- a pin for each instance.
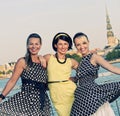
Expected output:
(20, 18)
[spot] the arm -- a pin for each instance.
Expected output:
(100, 60)
(74, 66)
(43, 61)
(47, 57)
(15, 76)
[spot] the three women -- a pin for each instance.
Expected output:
(33, 99)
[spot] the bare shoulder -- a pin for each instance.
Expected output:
(19, 67)
(47, 56)
(42, 60)
(73, 60)
(98, 59)
(94, 59)
(41, 57)
(96, 56)
(21, 62)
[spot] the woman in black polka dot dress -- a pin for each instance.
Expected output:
(89, 96)
(32, 100)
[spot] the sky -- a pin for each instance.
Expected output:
(19, 18)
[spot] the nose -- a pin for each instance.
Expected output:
(33, 46)
(81, 46)
(63, 46)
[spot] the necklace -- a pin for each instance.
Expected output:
(59, 60)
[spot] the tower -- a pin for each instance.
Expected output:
(112, 41)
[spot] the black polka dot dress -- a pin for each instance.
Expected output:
(32, 100)
(89, 96)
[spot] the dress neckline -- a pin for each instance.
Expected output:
(90, 54)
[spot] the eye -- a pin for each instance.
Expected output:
(30, 43)
(77, 44)
(37, 44)
(59, 43)
(66, 44)
(84, 42)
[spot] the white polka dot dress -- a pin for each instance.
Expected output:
(32, 100)
(89, 96)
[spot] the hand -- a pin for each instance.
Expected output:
(94, 50)
(71, 78)
(0, 99)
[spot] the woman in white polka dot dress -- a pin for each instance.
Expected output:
(89, 96)
(32, 100)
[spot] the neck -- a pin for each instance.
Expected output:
(86, 53)
(35, 58)
(62, 57)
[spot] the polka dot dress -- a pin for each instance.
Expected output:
(89, 96)
(28, 101)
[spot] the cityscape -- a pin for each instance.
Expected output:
(112, 47)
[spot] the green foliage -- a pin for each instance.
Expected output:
(115, 54)
(9, 71)
(74, 56)
(1, 72)
(11, 63)
(4, 72)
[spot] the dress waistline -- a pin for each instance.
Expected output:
(50, 82)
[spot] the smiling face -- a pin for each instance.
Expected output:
(62, 46)
(82, 45)
(34, 45)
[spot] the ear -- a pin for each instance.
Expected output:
(27, 47)
(40, 46)
(55, 46)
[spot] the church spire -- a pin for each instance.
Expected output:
(112, 41)
(109, 26)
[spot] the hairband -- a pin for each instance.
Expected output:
(61, 35)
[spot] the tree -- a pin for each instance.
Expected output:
(115, 54)
(74, 56)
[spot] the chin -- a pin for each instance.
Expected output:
(34, 53)
(63, 52)
(83, 53)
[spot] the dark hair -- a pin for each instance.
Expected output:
(28, 59)
(62, 36)
(79, 34)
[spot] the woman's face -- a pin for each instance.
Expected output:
(34, 45)
(82, 45)
(62, 46)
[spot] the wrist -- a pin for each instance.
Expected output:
(2, 96)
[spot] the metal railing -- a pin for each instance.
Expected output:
(53, 110)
